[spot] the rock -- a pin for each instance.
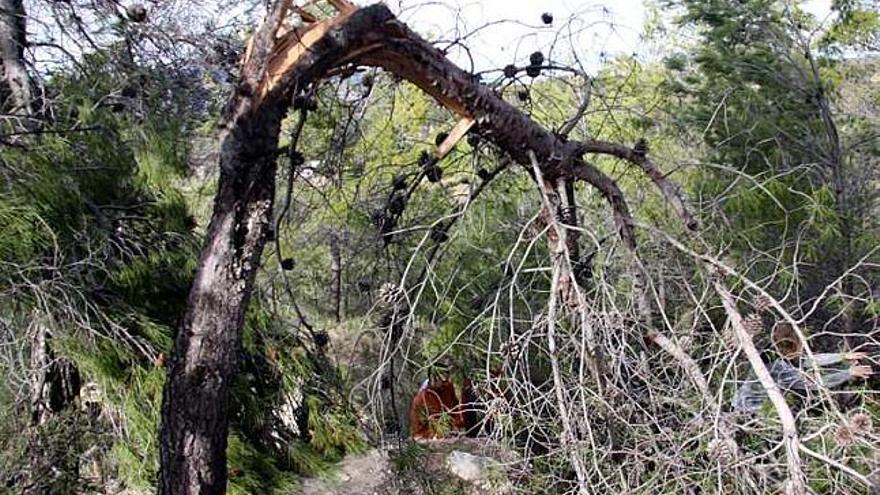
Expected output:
(420, 467)
(468, 467)
(484, 473)
(365, 474)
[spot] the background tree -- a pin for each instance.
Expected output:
(781, 173)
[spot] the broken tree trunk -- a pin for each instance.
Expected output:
(55, 382)
(195, 408)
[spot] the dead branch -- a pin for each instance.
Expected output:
(790, 440)
(670, 190)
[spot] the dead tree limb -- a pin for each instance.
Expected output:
(790, 439)
(670, 190)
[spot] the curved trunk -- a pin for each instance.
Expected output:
(195, 405)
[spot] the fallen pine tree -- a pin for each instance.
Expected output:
(280, 69)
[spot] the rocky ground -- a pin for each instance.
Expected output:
(460, 466)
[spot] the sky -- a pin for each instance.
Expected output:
(497, 32)
(591, 29)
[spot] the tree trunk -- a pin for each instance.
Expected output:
(336, 276)
(15, 89)
(195, 407)
(55, 385)
(196, 399)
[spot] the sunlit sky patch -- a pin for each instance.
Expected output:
(499, 32)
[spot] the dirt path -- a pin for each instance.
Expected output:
(366, 474)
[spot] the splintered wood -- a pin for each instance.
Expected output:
(290, 46)
(461, 128)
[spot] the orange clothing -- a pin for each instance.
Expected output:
(430, 406)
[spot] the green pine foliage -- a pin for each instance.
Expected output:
(103, 243)
(754, 90)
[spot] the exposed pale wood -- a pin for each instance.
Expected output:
(461, 128)
(278, 16)
(196, 400)
(343, 6)
(248, 50)
(290, 48)
(196, 403)
(260, 48)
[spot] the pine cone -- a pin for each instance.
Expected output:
(434, 174)
(762, 303)
(753, 324)
(536, 58)
(861, 423)
(723, 450)
(388, 294)
(786, 340)
(844, 435)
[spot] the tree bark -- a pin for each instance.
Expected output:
(15, 88)
(336, 276)
(55, 382)
(196, 399)
(195, 406)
